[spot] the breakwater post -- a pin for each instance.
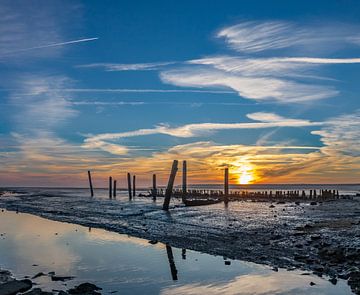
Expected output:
(90, 183)
(134, 186)
(154, 189)
(184, 178)
(226, 185)
(110, 187)
(114, 192)
(170, 185)
(129, 185)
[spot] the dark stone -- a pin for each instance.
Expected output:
(38, 291)
(39, 274)
(62, 279)
(227, 262)
(153, 242)
(85, 289)
(333, 281)
(312, 284)
(14, 287)
(313, 203)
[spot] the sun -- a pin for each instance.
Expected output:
(245, 174)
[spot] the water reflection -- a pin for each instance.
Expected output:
(171, 262)
(131, 265)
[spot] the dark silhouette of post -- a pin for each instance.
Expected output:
(134, 186)
(171, 262)
(129, 185)
(226, 184)
(184, 176)
(90, 183)
(114, 192)
(170, 185)
(154, 189)
(110, 187)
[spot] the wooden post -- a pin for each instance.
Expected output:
(129, 185)
(170, 185)
(110, 187)
(90, 183)
(154, 189)
(184, 180)
(134, 186)
(226, 185)
(114, 193)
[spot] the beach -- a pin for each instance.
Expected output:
(321, 239)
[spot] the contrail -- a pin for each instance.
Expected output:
(52, 45)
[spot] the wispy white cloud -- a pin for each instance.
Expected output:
(265, 120)
(256, 36)
(117, 67)
(127, 90)
(251, 87)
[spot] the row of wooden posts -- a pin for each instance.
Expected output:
(132, 187)
(225, 194)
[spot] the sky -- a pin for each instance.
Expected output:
(269, 89)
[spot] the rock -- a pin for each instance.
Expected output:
(227, 262)
(62, 279)
(5, 276)
(85, 289)
(333, 281)
(153, 242)
(39, 274)
(38, 291)
(63, 293)
(313, 203)
(14, 287)
(271, 206)
(312, 284)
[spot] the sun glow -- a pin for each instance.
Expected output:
(245, 174)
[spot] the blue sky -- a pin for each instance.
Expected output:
(268, 88)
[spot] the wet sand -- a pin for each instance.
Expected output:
(322, 238)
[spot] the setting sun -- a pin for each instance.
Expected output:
(245, 175)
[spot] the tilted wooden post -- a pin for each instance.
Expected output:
(129, 185)
(170, 185)
(154, 189)
(226, 184)
(184, 180)
(114, 193)
(90, 183)
(110, 187)
(134, 186)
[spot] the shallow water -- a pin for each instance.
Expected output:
(128, 265)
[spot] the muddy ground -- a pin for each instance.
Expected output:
(323, 238)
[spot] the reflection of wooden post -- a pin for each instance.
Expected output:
(171, 262)
(129, 185)
(170, 185)
(90, 183)
(134, 186)
(226, 184)
(114, 193)
(154, 189)
(184, 175)
(110, 187)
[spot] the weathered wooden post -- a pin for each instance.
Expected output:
(114, 192)
(129, 185)
(90, 183)
(134, 186)
(154, 189)
(170, 185)
(184, 178)
(226, 185)
(110, 187)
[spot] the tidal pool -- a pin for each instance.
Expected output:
(127, 265)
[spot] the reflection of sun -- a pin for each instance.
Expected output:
(245, 174)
